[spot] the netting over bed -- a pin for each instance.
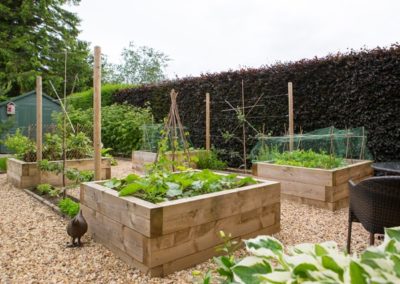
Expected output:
(344, 143)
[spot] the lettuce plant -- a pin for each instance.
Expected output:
(313, 263)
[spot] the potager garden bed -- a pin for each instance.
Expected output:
(325, 188)
(25, 174)
(160, 238)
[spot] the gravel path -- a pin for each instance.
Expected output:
(33, 243)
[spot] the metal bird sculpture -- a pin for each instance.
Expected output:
(76, 228)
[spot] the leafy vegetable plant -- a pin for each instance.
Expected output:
(23, 148)
(312, 263)
(69, 207)
(159, 186)
(46, 188)
(301, 158)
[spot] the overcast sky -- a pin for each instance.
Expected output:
(216, 35)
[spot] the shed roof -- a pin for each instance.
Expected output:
(13, 99)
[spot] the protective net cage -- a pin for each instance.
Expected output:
(342, 143)
(153, 133)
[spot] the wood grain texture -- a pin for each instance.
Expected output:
(317, 187)
(165, 237)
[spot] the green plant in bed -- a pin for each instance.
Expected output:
(161, 186)
(69, 207)
(308, 159)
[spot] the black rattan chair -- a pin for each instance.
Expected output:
(375, 203)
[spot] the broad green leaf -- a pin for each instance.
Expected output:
(357, 274)
(248, 270)
(131, 178)
(130, 189)
(320, 250)
(276, 277)
(197, 185)
(265, 242)
(112, 183)
(329, 263)
(305, 248)
(392, 233)
(396, 261)
(303, 269)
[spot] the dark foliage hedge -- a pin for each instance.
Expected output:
(359, 88)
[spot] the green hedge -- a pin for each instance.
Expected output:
(84, 100)
(342, 90)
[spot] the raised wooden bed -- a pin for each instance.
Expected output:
(169, 236)
(319, 187)
(142, 158)
(25, 174)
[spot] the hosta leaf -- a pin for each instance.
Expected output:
(392, 234)
(265, 242)
(396, 261)
(329, 263)
(358, 275)
(276, 277)
(248, 270)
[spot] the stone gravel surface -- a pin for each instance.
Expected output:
(33, 243)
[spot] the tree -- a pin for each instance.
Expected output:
(140, 65)
(34, 36)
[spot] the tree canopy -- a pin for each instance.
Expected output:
(34, 36)
(140, 65)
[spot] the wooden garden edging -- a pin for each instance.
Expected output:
(25, 174)
(173, 235)
(319, 187)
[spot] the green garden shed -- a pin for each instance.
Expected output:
(23, 110)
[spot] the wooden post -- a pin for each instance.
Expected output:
(244, 132)
(208, 146)
(39, 122)
(291, 121)
(97, 112)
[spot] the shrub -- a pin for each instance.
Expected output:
(120, 126)
(209, 160)
(23, 148)
(52, 147)
(312, 263)
(84, 100)
(69, 207)
(79, 146)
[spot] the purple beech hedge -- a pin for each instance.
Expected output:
(358, 88)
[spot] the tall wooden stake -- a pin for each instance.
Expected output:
(39, 122)
(244, 132)
(208, 144)
(291, 121)
(64, 146)
(97, 112)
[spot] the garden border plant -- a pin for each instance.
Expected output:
(270, 262)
